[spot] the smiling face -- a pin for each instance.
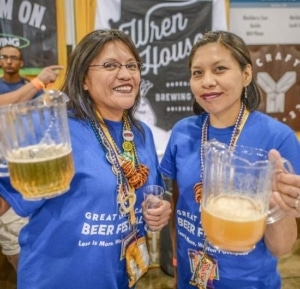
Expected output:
(217, 82)
(113, 91)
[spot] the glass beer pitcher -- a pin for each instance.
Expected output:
(36, 145)
(237, 187)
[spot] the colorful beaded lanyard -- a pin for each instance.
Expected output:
(125, 165)
(239, 124)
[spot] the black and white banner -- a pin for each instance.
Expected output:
(31, 26)
(164, 32)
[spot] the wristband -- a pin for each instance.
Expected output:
(174, 262)
(38, 84)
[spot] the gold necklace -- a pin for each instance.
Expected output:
(239, 124)
(135, 172)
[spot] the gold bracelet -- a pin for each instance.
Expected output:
(38, 84)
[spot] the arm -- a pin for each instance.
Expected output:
(4, 206)
(281, 236)
(26, 92)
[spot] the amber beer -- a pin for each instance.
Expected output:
(233, 222)
(41, 171)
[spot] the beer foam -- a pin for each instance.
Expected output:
(37, 153)
(233, 207)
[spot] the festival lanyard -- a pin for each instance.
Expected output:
(128, 192)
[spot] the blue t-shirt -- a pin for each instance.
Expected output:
(181, 162)
(74, 241)
(6, 87)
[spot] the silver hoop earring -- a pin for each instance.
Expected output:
(245, 93)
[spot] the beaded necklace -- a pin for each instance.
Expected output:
(239, 124)
(125, 165)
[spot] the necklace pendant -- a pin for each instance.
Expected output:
(127, 156)
(127, 146)
(198, 190)
(128, 135)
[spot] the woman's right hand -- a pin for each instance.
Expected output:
(157, 218)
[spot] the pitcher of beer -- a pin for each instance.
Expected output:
(36, 145)
(237, 186)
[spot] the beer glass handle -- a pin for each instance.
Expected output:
(275, 214)
(3, 166)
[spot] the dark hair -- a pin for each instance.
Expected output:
(81, 103)
(13, 46)
(241, 54)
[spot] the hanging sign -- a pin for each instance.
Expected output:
(164, 32)
(31, 26)
(271, 30)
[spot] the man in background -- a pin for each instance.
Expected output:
(15, 88)
(11, 61)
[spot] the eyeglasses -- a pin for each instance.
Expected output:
(12, 58)
(132, 67)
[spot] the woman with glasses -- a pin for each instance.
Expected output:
(93, 236)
